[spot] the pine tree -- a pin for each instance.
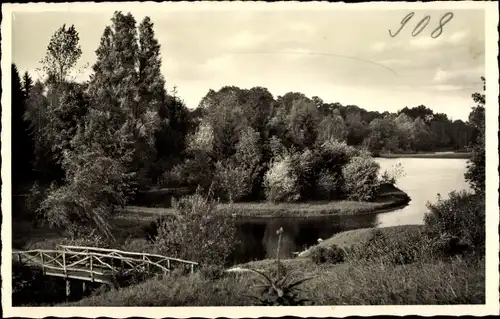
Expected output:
(22, 148)
(27, 84)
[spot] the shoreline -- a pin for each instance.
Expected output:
(438, 155)
(391, 198)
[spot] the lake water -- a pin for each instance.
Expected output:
(422, 181)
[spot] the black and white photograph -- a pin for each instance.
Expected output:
(250, 154)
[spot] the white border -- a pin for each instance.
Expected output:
(492, 180)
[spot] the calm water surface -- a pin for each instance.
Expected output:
(423, 180)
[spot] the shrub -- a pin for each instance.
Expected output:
(332, 255)
(196, 232)
(379, 247)
(361, 178)
(212, 272)
(35, 196)
(305, 166)
(280, 181)
(340, 149)
(233, 182)
(84, 236)
(391, 177)
(329, 184)
(194, 171)
(457, 224)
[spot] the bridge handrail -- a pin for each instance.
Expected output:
(69, 247)
(34, 252)
(46, 251)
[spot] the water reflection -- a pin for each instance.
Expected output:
(258, 239)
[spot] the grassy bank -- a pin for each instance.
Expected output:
(354, 282)
(390, 197)
(443, 155)
(129, 225)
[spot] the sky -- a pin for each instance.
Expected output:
(344, 56)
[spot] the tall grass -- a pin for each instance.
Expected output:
(457, 281)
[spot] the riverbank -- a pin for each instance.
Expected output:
(131, 226)
(437, 155)
(353, 282)
(389, 198)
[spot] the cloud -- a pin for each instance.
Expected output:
(296, 53)
(379, 46)
(441, 76)
(459, 37)
(446, 87)
(424, 42)
(218, 63)
(302, 27)
(245, 39)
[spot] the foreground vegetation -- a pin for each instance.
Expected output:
(376, 281)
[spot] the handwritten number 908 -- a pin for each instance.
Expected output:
(422, 24)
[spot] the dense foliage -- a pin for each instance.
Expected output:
(101, 142)
(458, 224)
(196, 232)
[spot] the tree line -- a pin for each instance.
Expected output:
(99, 142)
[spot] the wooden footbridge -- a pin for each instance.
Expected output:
(98, 264)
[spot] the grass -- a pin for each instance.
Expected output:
(354, 282)
(390, 198)
(452, 282)
(361, 236)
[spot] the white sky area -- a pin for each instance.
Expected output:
(344, 56)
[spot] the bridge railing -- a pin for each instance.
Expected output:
(95, 264)
(167, 262)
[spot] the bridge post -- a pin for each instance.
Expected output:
(91, 270)
(192, 268)
(68, 287)
(43, 265)
(64, 264)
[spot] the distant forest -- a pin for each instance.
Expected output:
(44, 119)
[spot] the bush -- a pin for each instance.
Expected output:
(457, 224)
(212, 272)
(306, 166)
(392, 176)
(85, 237)
(329, 184)
(233, 182)
(340, 149)
(195, 171)
(196, 232)
(361, 178)
(379, 247)
(280, 181)
(332, 255)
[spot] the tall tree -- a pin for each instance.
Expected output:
(62, 54)
(27, 84)
(22, 144)
(476, 174)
